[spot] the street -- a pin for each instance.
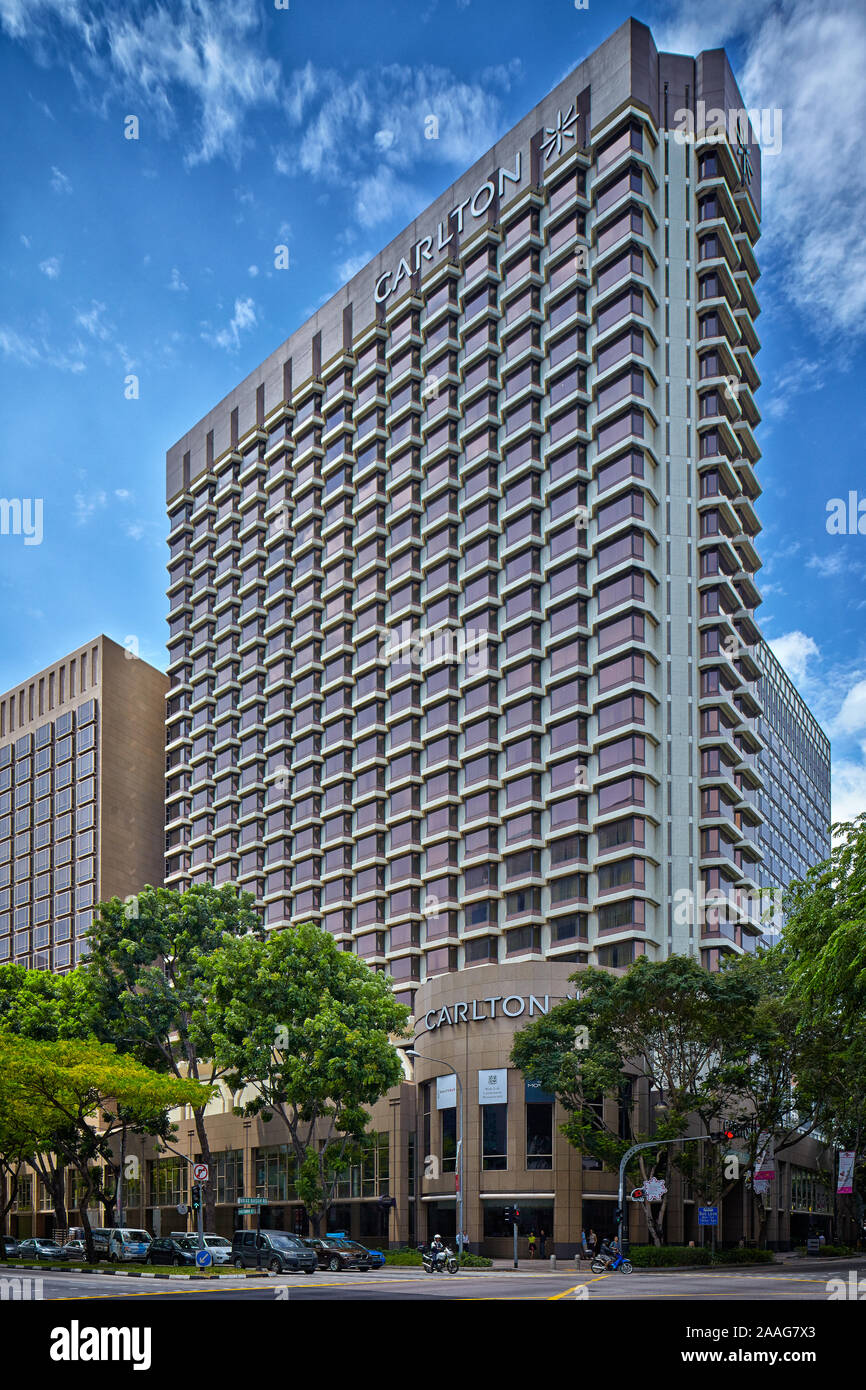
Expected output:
(806, 1282)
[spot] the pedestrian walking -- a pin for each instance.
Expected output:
(532, 1245)
(592, 1242)
(542, 1241)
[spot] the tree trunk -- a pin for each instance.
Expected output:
(6, 1205)
(54, 1176)
(209, 1188)
(83, 1199)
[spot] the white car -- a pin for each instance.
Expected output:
(219, 1247)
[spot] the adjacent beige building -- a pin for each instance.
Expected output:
(81, 797)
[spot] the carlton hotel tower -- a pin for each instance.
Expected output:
(464, 660)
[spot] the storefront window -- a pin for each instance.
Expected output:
(449, 1139)
(539, 1136)
(168, 1182)
(275, 1173)
(494, 1137)
(534, 1216)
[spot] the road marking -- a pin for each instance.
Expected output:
(566, 1292)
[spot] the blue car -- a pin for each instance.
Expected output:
(377, 1259)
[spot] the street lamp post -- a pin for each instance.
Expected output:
(411, 1052)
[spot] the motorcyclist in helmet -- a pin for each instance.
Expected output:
(437, 1250)
(609, 1250)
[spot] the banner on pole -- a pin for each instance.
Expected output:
(845, 1185)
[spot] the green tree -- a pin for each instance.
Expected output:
(147, 966)
(308, 1029)
(41, 1005)
(23, 1130)
(665, 1025)
(77, 1087)
(824, 939)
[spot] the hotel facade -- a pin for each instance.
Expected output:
(464, 662)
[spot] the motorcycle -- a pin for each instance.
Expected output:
(604, 1264)
(446, 1264)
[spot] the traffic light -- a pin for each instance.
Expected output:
(721, 1136)
(196, 1197)
(517, 1213)
(508, 1216)
(617, 1216)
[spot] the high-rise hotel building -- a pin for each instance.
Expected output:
(81, 798)
(522, 438)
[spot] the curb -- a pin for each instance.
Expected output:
(135, 1273)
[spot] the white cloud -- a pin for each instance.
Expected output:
(848, 790)
(252, 271)
(50, 267)
(160, 57)
(367, 130)
(92, 321)
(838, 562)
(87, 505)
(59, 182)
(25, 240)
(176, 282)
(794, 650)
(244, 317)
(851, 718)
(33, 352)
(805, 58)
(347, 269)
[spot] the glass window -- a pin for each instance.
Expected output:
(494, 1137)
(539, 1136)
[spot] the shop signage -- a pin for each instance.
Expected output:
(480, 1010)
(446, 1092)
(493, 1086)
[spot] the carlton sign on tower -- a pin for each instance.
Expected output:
(477, 204)
(474, 1010)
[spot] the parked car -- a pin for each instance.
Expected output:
(171, 1250)
(336, 1253)
(100, 1239)
(377, 1257)
(11, 1246)
(125, 1243)
(37, 1248)
(279, 1251)
(74, 1250)
(220, 1248)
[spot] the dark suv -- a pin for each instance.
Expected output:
(335, 1252)
(279, 1251)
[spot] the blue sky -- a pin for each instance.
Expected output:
(262, 126)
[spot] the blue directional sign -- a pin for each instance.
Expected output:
(203, 1258)
(708, 1216)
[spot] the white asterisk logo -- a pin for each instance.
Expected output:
(563, 130)
(654, 1189)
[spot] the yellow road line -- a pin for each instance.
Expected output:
(566, 1292)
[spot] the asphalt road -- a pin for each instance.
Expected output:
(803, 1283)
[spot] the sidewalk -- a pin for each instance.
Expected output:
(564, 1263)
